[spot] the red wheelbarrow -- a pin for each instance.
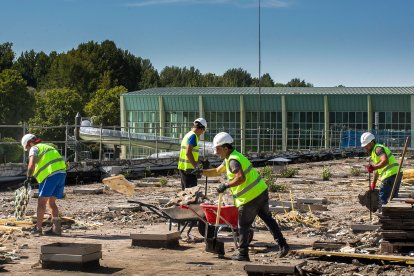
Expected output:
(229, 217)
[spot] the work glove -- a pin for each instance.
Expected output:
(27, 183)
(197, 171)
(372, 187)
(205, 164)
(370, 168)
(222, 187)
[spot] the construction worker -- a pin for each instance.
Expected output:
(188, 162)
(250, 194)
(47, 166)
(385, 167)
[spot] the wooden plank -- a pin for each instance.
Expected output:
(364, 227)
(126, 207)
(328, 245)
(67, 258)
(156, 236)
(396, 247)
(71, 248)
(391, 258)
(281, 266)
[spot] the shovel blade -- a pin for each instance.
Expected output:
(215, 246)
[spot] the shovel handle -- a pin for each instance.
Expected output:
(219, 209)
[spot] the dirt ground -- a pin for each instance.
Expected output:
(95, 223)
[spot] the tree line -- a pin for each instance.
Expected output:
(49, 89)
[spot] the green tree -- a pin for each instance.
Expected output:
(211, 80)
(10, 152)
(171, 76)
(6, 56)
(150, 77)
(237, 78)
(104, 106)
(55, 107)
(296, 82)
(15, 100)
(33, 67)
(266, 81)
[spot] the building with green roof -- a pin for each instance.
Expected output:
(290, 118)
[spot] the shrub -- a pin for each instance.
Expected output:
(275, 188)
(355, 171)
(288, 172)
(10, 152)
(326, 173)
(163, 181)
(267, 174)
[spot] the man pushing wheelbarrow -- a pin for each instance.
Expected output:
(250, 194)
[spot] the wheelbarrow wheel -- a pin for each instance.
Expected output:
(202, 229)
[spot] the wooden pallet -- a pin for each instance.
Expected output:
(396, 247)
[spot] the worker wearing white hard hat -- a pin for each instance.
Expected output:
(250, 194)
(189, 154)
(385, 168)
(47, 166)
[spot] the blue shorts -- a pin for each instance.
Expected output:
(53, 186)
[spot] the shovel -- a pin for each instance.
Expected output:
(212, 244)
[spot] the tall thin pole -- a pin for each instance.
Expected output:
(260, 75)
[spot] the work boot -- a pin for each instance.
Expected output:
(57, 226)
(56, 229)
(284, 250)
(242, 258)
(36, 232)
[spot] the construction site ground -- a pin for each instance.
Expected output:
(95, 223)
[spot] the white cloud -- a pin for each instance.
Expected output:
(239, 3)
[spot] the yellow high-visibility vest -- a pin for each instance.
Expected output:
(48, 161)
(252, 187)
(391, 168)
(183, 162)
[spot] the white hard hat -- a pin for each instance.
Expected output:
(201, 121)
(366, 138)
(221, 139)
(26, 139)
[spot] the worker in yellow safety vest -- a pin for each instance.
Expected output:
(250, 194)
(47, 166)
(189, 152)
(385, 167)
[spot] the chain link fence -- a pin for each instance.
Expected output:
(110, 142)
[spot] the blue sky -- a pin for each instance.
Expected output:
(325, 42)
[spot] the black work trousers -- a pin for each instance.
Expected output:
(188, 180)
(247, 215)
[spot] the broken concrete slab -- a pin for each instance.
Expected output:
(71, 248)
(280, 266)
(67, 258)
(280, 203)
(88, 191)
(312, 200)
(120, 184)
(73, 255)
(156, 240)
(156, 236)
(364, 227)
(312, 207)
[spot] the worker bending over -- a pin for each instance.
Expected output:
(250, 194)
(385, 167)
